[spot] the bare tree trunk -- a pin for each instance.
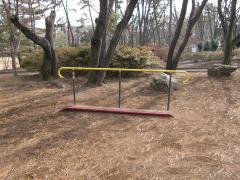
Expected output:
(157, 24)
(194, 15)
(114, 40)
(49, 21)
(192, 21)
(49, 61)
(97, 38)
(70, 31)
(200, 27)
(176, 35)
(13, 44)
(139, 24)
(210, 23)
(170, 21)
(104, 41)
(228, 31)
(12, 31)
(163, 28)
(90, 14)
(132, 34)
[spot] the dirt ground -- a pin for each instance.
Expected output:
(202, 141)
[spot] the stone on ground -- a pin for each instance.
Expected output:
(220, 70)
(56, 83)
(161, 83)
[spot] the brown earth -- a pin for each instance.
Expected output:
(202, 141)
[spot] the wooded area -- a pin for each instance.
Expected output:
(202, 25)
(120, 89)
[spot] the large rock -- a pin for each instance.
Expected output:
(219, 70)
(161, 83)
(56, 83)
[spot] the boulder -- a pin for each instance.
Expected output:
(220, 70)
(56, 83)
(160, 82)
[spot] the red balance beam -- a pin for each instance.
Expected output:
(118, 110)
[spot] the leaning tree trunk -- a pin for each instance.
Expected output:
(194, 16)
(173, 59)
(176, 35)
(115, 39)
(99, 56)
(48, 68)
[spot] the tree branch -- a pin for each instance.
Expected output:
(28, 33)
(177, 33)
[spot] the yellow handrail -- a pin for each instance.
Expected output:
(123, 69)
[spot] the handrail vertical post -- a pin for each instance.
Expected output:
(73, 84)
(169, 91)
(119, 88)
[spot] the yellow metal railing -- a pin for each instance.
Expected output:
(187, 75)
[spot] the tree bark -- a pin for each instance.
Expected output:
(227, 29)
(210, 23)
(49, 61)
(12, 40)
(115, 39)
(177, 34)
(228, 47)
(170, 21)
(194, 16)
(100, 57)
(90, 14)
(70, 31)
(96, 41)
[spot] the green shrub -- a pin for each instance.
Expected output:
(208, 46)
(129, 58)
(214, 45)
(124, 57)
(200, 47)
(32, 60)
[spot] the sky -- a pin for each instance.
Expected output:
(74, 16)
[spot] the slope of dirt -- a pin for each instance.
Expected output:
(201, 142)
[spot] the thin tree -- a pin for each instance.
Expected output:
(86, 3)
(170, 20)
(227, 29)
(173, 58)
(101, 55)
(14, 45)
(69, 27)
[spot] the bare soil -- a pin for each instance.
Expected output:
(37, 141)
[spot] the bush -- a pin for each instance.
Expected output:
(159, 50)
(200, 47)
(214, 45)
(208, 46)
(124, 57)
(129, 58)
(32, 60)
